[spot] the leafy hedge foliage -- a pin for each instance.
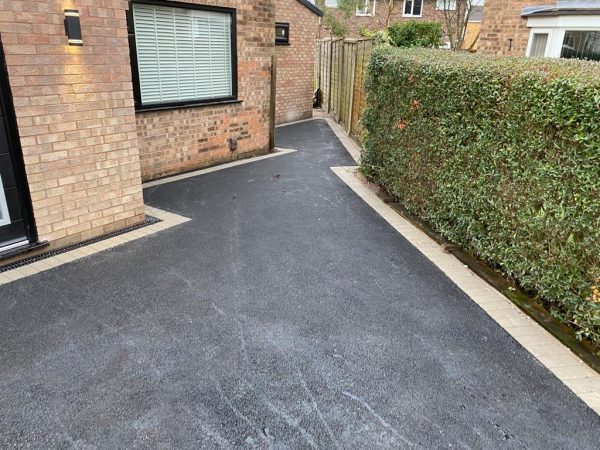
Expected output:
(415, 34)
(502, 156)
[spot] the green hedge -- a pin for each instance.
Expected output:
(500, 155)
(415, 34)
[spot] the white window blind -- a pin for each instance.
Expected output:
(182, 54)
(538, 46)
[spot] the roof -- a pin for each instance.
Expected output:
(312, 7)
(563, 7)
(476, 14)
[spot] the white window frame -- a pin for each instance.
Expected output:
(450, 5)
(556, 27)
(4, 214)
(331, 3)
(412, 9)
(368, 10)
(549, 44)
(142, 105)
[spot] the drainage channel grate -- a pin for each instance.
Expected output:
(24, 262)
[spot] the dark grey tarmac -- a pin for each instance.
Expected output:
(286, 314)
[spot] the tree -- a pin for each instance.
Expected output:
(390, 6)
(336, 20)
(457, 14)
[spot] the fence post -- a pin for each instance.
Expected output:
(330, 71)
(352, 80)
(273, 102)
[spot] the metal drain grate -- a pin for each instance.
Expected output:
(24, 262)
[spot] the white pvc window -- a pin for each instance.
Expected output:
(331, 3)
(448, 5)
(183, 55)
(413, 8)
(4, 216)
(539, 44)
(567, 36)
(365, 8)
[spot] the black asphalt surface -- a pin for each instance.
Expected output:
(286, 314)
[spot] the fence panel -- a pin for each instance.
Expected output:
(363, 55)
(341, 67)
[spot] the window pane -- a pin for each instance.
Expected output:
(4, 218)
(417, 7)
(538, 46)
(408, 7)
(183, 54)
(282, 33)
(449, 5)
(582, 45)
(362, 7)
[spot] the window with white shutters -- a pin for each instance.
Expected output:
(183, 55)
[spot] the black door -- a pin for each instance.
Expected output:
(14, 196)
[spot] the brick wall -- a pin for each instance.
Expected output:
(179, 140)
(296, 62)
(74, 108)
(378, 22)
(502, 22)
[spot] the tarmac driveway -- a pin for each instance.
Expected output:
(285, 314)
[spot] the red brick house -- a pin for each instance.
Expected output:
(297, 31)
(375, 14)
(542, 28)
(98, 95)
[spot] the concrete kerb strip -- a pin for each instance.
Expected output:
(168, 220)
(277, 152)
(287, 124)
(351, 146)
(564, 364)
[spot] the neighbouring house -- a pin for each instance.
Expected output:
(98, 95)
(567, 29)
(377, 14)
(297, 29)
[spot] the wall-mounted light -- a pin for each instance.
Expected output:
(73, 27)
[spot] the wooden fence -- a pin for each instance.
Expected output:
(340, 75)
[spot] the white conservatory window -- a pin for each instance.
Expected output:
(564, 36)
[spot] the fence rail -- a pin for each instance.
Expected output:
(340, 75)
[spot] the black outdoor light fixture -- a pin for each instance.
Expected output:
(73, 27)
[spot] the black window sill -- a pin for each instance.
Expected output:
(167, 107)
(284, 44)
